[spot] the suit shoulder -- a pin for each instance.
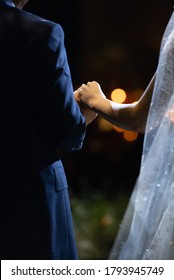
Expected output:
(41, 23)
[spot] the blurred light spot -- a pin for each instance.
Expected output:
(136, 94)
(118, 129)
(130, 135)
(104, 125)
(118, 95)
(106, 220)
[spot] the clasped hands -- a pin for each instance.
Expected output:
(86, 96)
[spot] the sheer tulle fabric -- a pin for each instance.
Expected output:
(147, 229)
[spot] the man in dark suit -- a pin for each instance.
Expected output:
(39, 116)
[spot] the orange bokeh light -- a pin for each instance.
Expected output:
(118, 95)
(104, 125)
(118, 129)
(130, 135)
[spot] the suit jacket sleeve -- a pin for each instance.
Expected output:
(58, 117)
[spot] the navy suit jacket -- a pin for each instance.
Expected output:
(38, 116)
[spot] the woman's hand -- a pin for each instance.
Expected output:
(86, 111)
(89, 94)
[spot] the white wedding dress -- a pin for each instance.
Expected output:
(147, 229)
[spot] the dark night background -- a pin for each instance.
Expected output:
(116, 43)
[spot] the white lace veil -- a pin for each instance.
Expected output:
(147, 229)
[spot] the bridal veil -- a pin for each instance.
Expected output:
(147, 229)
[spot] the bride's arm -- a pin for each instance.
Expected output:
(127, 116)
